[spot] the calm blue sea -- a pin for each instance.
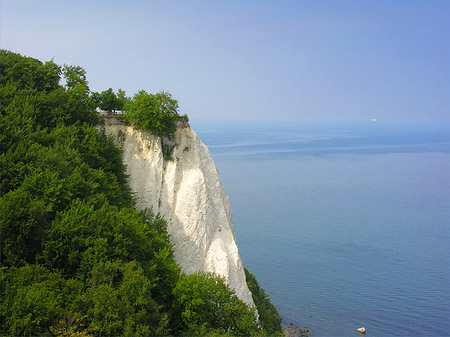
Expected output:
(344, 224)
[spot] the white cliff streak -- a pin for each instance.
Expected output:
(188, 193)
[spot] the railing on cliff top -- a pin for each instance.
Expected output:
(118, 118)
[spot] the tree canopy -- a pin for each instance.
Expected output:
(109, 101)
(155, 113)
(206, 305)
(268, 314)
(77, 257)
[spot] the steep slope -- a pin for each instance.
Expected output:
(187, 191)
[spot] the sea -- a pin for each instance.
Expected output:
(345, 224)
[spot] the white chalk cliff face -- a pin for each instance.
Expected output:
(188, 193)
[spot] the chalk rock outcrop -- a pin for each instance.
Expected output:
(187, 191)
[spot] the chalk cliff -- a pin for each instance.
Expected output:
(188, 193)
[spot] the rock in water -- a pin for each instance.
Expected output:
(187, 191)
(361, 330)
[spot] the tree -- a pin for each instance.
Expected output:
(28, 73)
(71, 325)
(33, 298)
(121, 99)
(95, 98)
(23, 222)
(156, 113)
(207, 305)
(108, 101)
(74, 75)
(79, 103)
(268, 315)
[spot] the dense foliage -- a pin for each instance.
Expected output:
(154, 113)
(77, 259)
(268, 314)
(109, 101)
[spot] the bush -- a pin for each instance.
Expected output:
(208, 307)
(268, 314)
(155, 113)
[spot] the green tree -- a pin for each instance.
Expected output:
(23, 222)
(119, 301)
(268, 315)
(79, 102)
(108, 101)
(27, 73)
(122, 99)
(74, 76)
(33, 298)
(95, 98)
(207, 306)
(156, 114)
(27, 83)
(71, 325)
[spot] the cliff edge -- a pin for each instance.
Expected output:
(187, 191)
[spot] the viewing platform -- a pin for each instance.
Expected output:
(118, 119)
(113, 119)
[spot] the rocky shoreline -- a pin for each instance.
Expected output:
(291, 330)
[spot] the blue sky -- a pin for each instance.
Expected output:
(341, 59)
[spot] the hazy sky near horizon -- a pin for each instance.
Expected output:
(327, 59)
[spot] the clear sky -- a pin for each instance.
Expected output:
(231, 59)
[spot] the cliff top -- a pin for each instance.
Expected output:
(119, 119)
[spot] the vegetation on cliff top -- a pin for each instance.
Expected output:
(77, 258)
(154, 113)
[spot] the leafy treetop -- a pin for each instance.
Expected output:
(155, 113)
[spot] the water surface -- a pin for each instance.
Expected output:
(343, 224)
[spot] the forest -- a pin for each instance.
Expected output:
(77, 257)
